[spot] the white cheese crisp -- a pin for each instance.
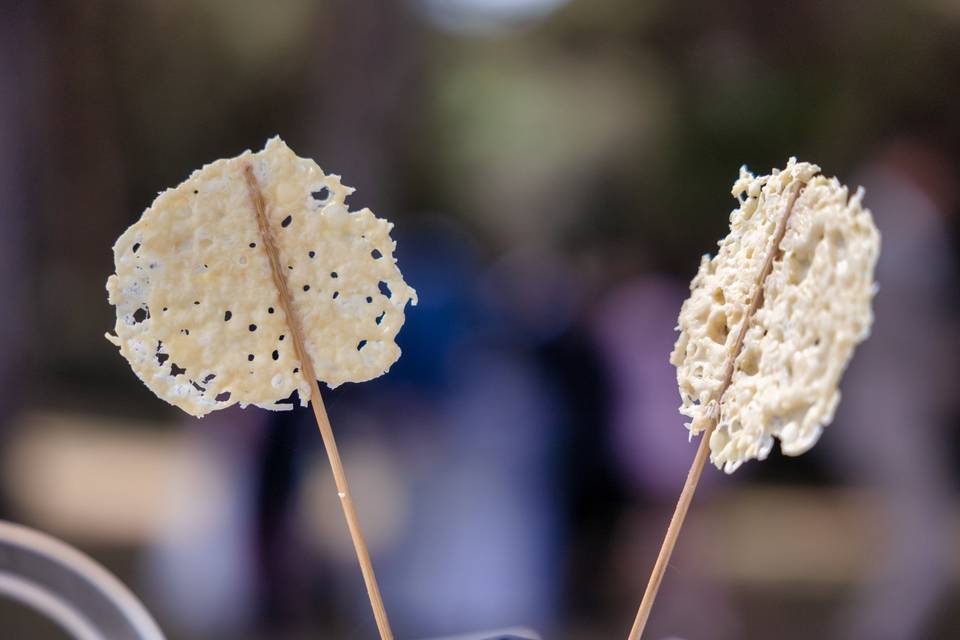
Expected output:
(816, 308)
(198, 313)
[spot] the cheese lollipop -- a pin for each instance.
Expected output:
(815, 308)
(770, 325)
(252, 280)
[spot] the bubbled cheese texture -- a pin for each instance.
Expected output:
(816, 307)
(198, 314)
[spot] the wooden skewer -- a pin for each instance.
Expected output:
(703, 450)
(319, 411)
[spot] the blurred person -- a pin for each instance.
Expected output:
(898, 395)
(200, 566)
(634, 326)
(481, 542)
(545, 296)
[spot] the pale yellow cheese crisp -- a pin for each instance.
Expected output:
(816, 308)
(198, 313)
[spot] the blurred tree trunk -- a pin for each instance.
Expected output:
(82, 177)
(362, 109)
(19, 42)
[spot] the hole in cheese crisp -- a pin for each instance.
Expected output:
(200, 243)
(750, 362)
(717, 328)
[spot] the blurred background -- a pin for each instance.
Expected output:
(555, 170)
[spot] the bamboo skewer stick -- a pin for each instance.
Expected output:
(703, 450)
(319, 410)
